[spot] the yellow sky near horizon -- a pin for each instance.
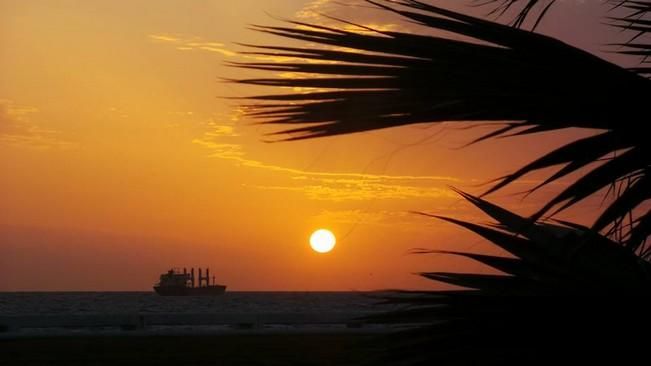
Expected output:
(119, 159)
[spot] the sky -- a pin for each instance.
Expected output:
(120, 156)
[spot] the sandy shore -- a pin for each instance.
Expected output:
(255, 349)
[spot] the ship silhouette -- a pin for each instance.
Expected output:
(177, 283)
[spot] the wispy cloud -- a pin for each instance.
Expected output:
(313, 9)
(224, 142)
(164, 38)
(366, 217)
(192, 43)
(313, 12)
(360, 189)
(399, 219)
(17, 128)
(327, 12)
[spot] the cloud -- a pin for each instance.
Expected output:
(195, 43)
(327, 13)
(224, 142)
(164, 38)
(360, 189)
(313, 9)
(220, 138)
(397, 219)
(311, 13)
(192, 43)
(17, 129)
(368, 217)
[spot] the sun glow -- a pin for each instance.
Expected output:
(322, 241)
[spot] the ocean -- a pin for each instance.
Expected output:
(27, 314)
(79, 303)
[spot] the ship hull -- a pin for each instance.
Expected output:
(190, 291)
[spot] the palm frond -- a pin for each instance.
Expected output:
(524, 8)
(508, 318)
(472, 329)
(556, 257)
(638, 235)
(492, 73)
(531, 83)
(392, 78)
(637, 21)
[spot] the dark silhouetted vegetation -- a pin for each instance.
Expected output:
(524, 82)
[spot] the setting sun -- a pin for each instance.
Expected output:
(322, 241)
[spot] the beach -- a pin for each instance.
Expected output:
(236, 349)
(146, 329)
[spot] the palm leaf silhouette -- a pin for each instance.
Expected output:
(529, 83)
(525, 8)
(505, 319)
(494, 73)
(553, 258)
(636, 20)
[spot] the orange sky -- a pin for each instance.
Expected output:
(118, 159)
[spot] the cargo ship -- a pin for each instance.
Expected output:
(177, 283)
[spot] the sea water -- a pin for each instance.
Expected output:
(77, 303)
(66, 313)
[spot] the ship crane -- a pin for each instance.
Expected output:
(177, 283)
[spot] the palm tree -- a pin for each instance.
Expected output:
(526, 83)
(534, 82)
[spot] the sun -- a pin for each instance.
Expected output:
(322, 240)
